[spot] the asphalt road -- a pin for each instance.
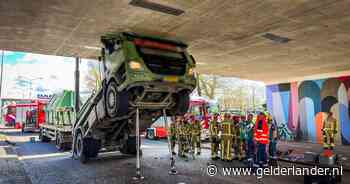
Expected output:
(41, 163)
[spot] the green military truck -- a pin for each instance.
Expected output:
(141, 73)
(59, 117)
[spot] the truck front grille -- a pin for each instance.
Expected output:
(165, 63)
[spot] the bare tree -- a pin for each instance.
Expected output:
(199, 89)
(208, 85)
(237, 97)
(93, 78)
(231, 93)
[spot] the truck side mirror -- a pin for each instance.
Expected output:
(194, 61)
(103, 59)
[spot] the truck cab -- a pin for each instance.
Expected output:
(146, 71)
(141, 73)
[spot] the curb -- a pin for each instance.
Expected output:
(7, 146)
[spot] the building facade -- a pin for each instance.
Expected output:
(302, 106)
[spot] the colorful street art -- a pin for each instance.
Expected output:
(302, 107)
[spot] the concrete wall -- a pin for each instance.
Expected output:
(301, 105)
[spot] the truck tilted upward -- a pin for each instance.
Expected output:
(139, 71)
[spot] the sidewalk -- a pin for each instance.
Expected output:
(6, 150)
(299, 148)
(11, 169)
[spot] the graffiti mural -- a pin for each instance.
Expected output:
(302, 106)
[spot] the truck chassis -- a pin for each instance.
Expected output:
(62, 135)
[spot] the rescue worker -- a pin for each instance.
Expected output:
(238, 138)
(182, 139)
(261, 137)
(186, 135)
(272, 140)
(227, 131)
(172, 134)
(187, 132)
(249, 138)
(195, 136)
(214, 136)
(329, 131)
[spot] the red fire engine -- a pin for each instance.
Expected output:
(26, 116)
(198, 107)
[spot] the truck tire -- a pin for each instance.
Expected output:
(150, 134)
(94, 147)
(116, 103)
(60, 145)
(129, 146)
(42, 137)
(81, 148)
(182, 100)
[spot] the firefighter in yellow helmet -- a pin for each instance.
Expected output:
(214, 136)
(227, 131)
(329, 131)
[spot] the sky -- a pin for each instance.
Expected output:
(43, 74)
(25, 75)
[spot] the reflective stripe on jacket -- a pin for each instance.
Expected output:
(261, 130)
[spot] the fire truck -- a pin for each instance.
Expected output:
(200, 107)
(25, 116)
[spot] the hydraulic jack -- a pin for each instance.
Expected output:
(138, 176)
(172, 159)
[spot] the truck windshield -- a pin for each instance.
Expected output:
(164, 62)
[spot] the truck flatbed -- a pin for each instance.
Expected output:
(62, 135)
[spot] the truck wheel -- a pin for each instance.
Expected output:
(111, 99)
(81, 149)
(94, 147)
(42, 137)
(59, 143)
(116, 103)
(150, 134)
(129, 146)
(182, 101)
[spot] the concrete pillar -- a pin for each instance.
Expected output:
(77, 79)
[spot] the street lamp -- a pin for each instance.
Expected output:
(30, 81)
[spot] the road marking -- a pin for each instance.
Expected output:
(8, 156)
(28, 157)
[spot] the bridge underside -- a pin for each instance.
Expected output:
(270, 41)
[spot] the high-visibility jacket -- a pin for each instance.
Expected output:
(196, 128)
(330, 125)
(227, 128)
(214, 128)
(172, 131)
(261, 130)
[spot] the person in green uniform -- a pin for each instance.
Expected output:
(187, 134)
(237, 141)
(195, 135)
(227, 131)
(214, 136)
(172, 134)
(329, 130)
(249, 139)
(181, 135)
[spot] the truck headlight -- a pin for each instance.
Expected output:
(191, 71)
(134, 65)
